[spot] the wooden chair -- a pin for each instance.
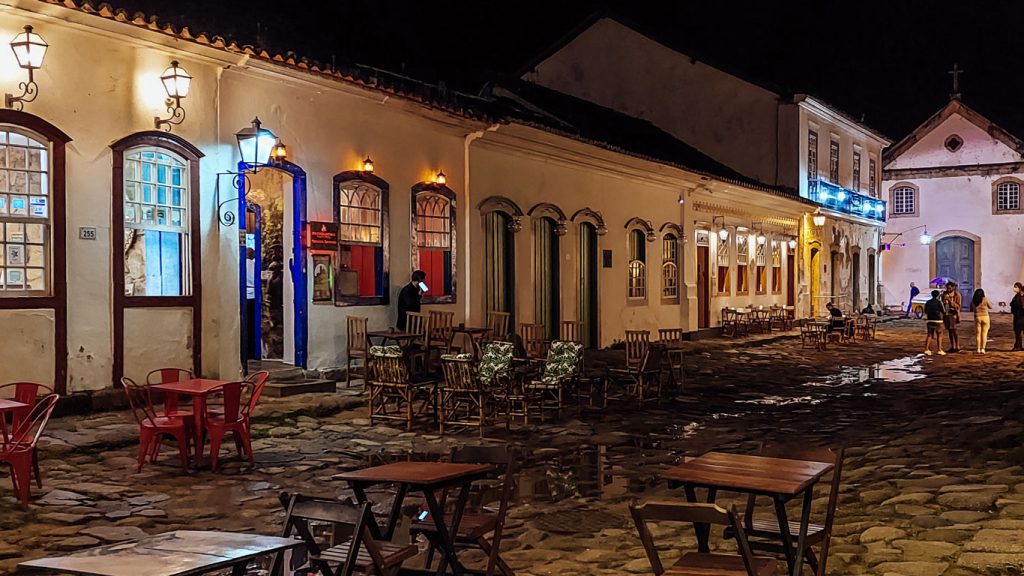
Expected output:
(498, 323)
(20, 452)
(165, 375)
(866, 327)
(533, 340)
(477, 524)
(391, 394)
(418, 349)
(639, 382)
(441, 331)
(764, 533)
(636, 342)
(561, 370)
(761, 320)
(571, 331)
(357, 349)
(351, 548)
(699, 563)
(461, 397)
(812, 335)
(672, 340)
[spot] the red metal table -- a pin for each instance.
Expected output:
(781, 479)
(198, 389)
(428, 478)
(8, 406)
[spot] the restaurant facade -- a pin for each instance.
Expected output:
(133, 208)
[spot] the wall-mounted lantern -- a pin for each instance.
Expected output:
(255, 144)
(723, 232)
(818, 218)
(29, 49)
(368, 165)
(792, 243)
(440, 178)
(176, 83)
(279, 152)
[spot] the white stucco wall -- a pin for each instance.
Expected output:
(979, 147)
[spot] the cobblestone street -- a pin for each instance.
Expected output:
(932, 482)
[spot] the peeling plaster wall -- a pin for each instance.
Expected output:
(153, 340)
(26, 353)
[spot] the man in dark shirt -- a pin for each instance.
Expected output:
(935, 313)
(409, 297)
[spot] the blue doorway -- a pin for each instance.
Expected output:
(281, 270)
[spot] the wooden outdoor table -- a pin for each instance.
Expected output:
(781, 479)
(8, 406)
(474, 334)
(198, 389)
(428, 478)
(401, 338)
(178, 553)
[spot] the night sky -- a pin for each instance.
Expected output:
(886, 61)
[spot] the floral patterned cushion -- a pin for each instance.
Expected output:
(386, 351)
(563, 358)
(496, 361)
(460, 356)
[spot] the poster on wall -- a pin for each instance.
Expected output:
(323, 278)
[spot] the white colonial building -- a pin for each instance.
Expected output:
(959, 177)
(795, 143)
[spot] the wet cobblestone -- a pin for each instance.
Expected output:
(932, 484)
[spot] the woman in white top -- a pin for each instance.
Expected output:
(980, 305)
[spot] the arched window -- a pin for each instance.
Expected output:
(361, 210)
(1007, 197)
(903, 200)
(637, 279)
(761, 263)
(670, 267)
(776, 267)
(25, 214)
(157, 223)
(724, 266)
(434, 239)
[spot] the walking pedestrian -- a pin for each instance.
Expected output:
(953, 301)
(935, 313)
(980, 305)
(914, 291)
(1017, 309)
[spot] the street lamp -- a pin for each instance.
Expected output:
(925, 237)
(255, 144)
(792, 243)
(29, 49)
(176, 83)
(368, 165)
(723, 232)
(818, 218)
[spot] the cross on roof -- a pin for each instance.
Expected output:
(955, 73)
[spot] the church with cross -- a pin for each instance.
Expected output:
(954, 197)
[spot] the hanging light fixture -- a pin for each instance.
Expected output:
(29, 50)
(792, 243)
(255, 144)
(723, 232)
(176, 83)
(761, 238)
(819, 218)
(279, 152)
(440, 178)
(925, 237)
(368, 165)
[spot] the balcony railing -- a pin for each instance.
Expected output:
(846, 201)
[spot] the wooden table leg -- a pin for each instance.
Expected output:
(805, 518)
(396, 510)
(787, 538)
(445, 538)
(703, 531)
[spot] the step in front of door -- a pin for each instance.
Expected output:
(281, 389)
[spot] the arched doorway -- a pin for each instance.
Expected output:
(855, 282)
(817, 305)
(499, 263)
(588, 284)
(546, 285)
(273, 205)
(955, 259)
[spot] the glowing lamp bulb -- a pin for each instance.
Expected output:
(723, 234)
(761, 238)
(440, 178)
(819, 220)
(792, 243)
(925, 238)
(368, 165)
(176, 81)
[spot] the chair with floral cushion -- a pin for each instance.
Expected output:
(562, 368)
(495, 372)
(392, 395)
(462, 398)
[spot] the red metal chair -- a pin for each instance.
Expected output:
(19, 453)
(26, 393)
(165, 375)
(233, 418)
(257, 381)
(153, 428)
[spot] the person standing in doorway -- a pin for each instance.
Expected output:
(980, 305)
(1017, 309)
(410, 296)
(914, 291)
(953, 301)
(250, 303)
(935, 313)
